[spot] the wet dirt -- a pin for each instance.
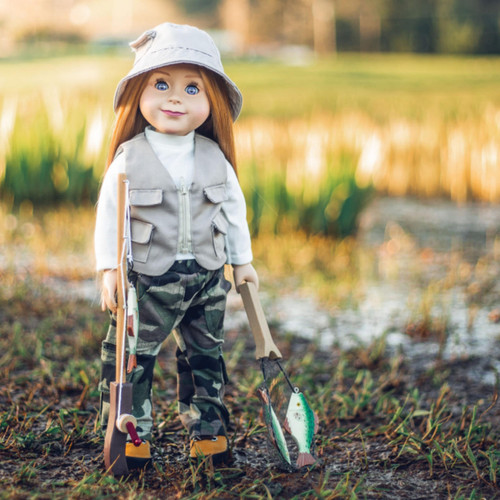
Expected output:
(414, 248)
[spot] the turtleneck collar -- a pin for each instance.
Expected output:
(169, 140)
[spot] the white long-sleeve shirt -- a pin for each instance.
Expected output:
(176, 154)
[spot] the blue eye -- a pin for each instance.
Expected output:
(161, 85)
(192, 89)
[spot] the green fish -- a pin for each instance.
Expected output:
(275, 432)
(132, 327)
(301, 422)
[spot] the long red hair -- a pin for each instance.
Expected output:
(218, 126)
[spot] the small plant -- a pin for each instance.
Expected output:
(46, 164)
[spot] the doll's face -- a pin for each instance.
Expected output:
(174, 100)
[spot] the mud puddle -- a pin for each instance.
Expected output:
(422, 251)
(431, 258)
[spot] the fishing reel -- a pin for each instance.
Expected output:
(127, 423)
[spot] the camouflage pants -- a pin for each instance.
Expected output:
(191, 301)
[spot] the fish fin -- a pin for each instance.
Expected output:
(286, 425)
(130, 325)
(305, 459)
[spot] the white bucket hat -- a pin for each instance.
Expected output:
(169, 44)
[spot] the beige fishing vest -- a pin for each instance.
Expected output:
(166, 219)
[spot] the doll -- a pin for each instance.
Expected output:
(173, 138)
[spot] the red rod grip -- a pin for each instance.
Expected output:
(136, 440)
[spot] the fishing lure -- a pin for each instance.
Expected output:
(132, 327)
(301, 422)
(275, 432)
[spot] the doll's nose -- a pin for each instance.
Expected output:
(174, 97)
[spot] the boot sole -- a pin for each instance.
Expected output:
(138, 463)
(216, 459)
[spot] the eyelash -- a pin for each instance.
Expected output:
(192, 84)
(195, 85)
(160, 81)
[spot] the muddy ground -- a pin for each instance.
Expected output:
(410, 413)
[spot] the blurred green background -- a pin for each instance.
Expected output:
(342, 100)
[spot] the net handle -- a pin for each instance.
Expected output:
(264, 344)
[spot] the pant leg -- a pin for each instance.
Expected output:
(141, 378)
(194, 300)
(159, 300)
(201, 370)
(185, 388)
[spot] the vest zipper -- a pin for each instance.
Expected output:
(185, 219)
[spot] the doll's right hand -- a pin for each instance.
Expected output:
(108, 292)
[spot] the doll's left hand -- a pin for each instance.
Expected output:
(243, 273)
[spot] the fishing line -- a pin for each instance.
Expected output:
(293, 387)
(263, 369)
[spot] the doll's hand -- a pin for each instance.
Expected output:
(243, 273)
(108, 292)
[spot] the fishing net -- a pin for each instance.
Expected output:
(284, 407)
(275, 395)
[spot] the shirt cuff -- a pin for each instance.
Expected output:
(240, 259)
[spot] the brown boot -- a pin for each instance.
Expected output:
(216, 447)
(138, 456)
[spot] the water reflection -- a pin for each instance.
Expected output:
(435, 262)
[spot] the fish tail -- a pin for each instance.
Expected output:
(316, 423)
(132, 362)
(305, 459)
(263, 395)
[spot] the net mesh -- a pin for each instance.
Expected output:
(275, 395)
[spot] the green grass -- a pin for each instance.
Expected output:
(389, 423)
(380, 417)
(393, 120)
(379, 84)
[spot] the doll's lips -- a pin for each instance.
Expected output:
(173, 113)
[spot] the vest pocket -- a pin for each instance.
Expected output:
(219, 231)
(145, 197)
(217, 193)
(141, 239)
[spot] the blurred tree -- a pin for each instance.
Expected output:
(264, 25)
(409, 26)
(206, 10)
(199, 6)
(429, 26)
(457, 31)
(458, 26)
(323, 25)
(235, 15)
(369, 26)
(424, 26)
(487, 17)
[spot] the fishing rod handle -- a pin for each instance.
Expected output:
(121, 276)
